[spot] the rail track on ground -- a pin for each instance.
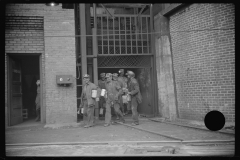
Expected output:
(193, 133)
(183, 141)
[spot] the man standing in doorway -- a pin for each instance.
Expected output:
(114, 90)
(88, 100)
(37, 102)
(123, 80)
(101, 84)
(136, 97)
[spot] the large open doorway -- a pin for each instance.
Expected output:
(23, 71)
(143, 76)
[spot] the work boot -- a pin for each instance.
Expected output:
(113, 122)
(106, 125)
(122, 121)
(128, 112)
(86, 126)
(135, 123)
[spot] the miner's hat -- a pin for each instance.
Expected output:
(102, 74)
(121, 71)
(115, 75)
(109, 75)
(130, 73)
(86, 76)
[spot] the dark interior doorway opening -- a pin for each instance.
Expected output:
(30, 73)
(143, 76)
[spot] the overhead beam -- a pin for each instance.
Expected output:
(107, 10)
(141, 10)
(125, 5)
(171, 8)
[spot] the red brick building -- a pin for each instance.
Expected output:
(184, 70)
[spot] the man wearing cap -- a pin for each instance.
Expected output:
(115, 80)
(101, 84)
(37, 102)
(88, 101)
(114, 90)
(123, 80)
(136, 97)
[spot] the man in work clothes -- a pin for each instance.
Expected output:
(136, 97)
(37, 102)
(101, 85)
(112, 99)
(87, 101)
(123, 80)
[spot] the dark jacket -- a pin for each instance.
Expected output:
(88, 88)
(114, 90)
(37, 100)
(101, 84)
(133, 87)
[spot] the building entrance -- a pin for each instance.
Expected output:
(23, 73)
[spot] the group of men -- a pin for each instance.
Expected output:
(116, 87)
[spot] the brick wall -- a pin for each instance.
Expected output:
(204, 61)
(58, 56)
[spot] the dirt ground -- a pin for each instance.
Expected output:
(98, 133)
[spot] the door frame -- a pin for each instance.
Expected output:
(43, 110)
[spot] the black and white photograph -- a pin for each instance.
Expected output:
(119, 79)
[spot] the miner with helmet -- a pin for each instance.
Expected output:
(136, 97)
(123, 80)
(88, 100)
(101, 84)
(114, 90)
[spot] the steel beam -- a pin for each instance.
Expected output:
(83, 42)
(95, 67)
(107, 11)
(154, 72)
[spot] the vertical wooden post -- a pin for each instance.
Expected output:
(83, 39)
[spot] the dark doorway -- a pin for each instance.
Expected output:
(143, 76)
(29, 65)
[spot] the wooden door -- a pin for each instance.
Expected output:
(15, 89)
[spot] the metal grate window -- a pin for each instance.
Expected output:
(125, 34)
(124, 61)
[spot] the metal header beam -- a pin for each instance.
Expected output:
(125, 5)
(107, 11)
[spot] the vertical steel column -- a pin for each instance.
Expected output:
(141, 22)
(114, 48)
(83, 39)
(108, 36)
(147, 35)
(94, 16)
(95, 52)
(131, 52)
(125, 21)
(136, 29)
(120, 38)
(102, 32)
(154, 73)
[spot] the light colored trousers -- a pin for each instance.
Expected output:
(108, 116)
